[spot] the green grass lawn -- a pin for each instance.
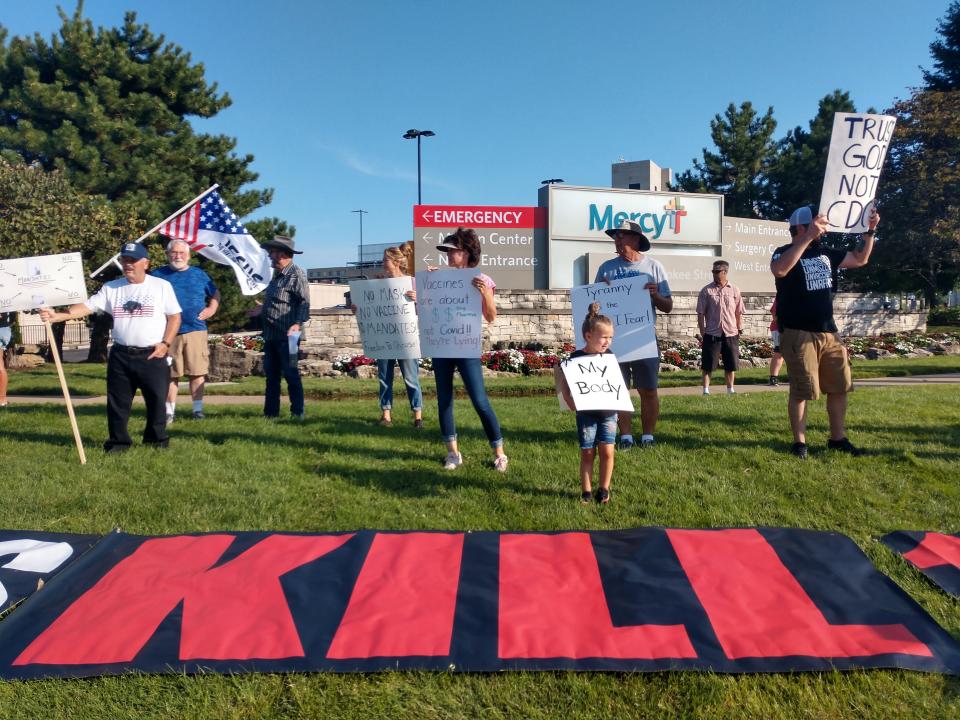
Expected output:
(85, 379)
(721, 461)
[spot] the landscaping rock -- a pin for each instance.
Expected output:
(668, 368)
(227, 363)
(877, 354)
(946, 348)
(364, 372)
(25, 361)
(315, 368)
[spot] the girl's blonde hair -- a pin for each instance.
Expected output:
(594, 318)
(402, 257)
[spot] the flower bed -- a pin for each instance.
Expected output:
(239, 342)
(524, 360)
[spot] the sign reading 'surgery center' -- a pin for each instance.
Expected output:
(509, 238)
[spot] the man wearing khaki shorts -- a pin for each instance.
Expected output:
(816, 359)
(199, 298)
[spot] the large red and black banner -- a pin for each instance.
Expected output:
(31, 558)
(735, 600)
(936, 555)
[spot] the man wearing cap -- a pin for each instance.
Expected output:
(816, 359)
(720, 319)
(641, 374)
(199, 299)
(285, 309)
(146, 317)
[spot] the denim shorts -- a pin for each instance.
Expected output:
(6, 335)
(596, 428)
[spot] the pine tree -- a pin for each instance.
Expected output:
(744, 150)
(946, 52)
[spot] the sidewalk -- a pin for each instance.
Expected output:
(715, 389)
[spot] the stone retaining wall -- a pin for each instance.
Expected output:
(527, 316)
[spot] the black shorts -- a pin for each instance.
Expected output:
(717, 346)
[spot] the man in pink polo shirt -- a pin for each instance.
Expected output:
(720, 319)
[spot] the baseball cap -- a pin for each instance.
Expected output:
(137, 251)
(801, 216)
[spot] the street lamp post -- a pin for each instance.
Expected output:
(410, 135)
(361, 213)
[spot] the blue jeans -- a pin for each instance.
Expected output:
(278, 361)
(595, 428)
(409, 370)
(471, 371)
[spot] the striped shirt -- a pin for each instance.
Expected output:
(286, 302)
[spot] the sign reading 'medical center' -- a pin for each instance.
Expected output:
(512, 239)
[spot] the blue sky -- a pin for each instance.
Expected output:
(517, 92)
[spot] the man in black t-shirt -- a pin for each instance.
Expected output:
(816, 359)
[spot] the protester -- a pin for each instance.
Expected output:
(199, 299)
(146, 317)
(642, 374)
(596, 428)
(720, 319)
(285, 310)
(776, 362)
(398, 262)
(816, 359)
(6, 337)
(463, 251)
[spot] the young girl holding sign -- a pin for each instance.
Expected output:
(596, 428)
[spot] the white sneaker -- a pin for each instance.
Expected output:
(706, 391)
(500, 463)
(453, 461)
(731, 391)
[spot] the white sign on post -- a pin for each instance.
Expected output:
(449, 308)
(386, 318)
(596, 383)
(44, 281)
(858, 148)
(627, 303)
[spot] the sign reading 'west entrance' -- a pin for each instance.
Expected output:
(512, 239)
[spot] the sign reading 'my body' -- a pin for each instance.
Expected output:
(43, 281)
(627, 303)
(858, 147)
(386, 318)
(649, 599)
(596, 383)
(449, 310)
(510, 238)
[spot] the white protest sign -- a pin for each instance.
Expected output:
(387, 320)
(44, 281)
(596, 383)
(627, 303)
(449, 306)
(858, 148)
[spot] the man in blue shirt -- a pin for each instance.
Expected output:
(199, 298)
(631, 244)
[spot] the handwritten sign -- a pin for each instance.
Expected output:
(449, 306)
(387, 320)
(627, 303)
(44, 281)
(596, 383)
(858, 148)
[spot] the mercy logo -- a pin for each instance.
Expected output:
(651, 223)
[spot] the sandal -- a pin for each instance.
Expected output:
(585, 497)
(603, 496)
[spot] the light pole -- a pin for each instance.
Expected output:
(410, 135)
(361, 213)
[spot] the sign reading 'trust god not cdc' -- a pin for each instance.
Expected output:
(512, 240)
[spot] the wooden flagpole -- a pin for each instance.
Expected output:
(66, 392)
(156, 227)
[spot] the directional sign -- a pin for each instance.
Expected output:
(44, 281)
(513, 240)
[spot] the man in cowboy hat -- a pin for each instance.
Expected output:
(286, 307)
(642, 374)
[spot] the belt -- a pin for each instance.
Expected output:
(133, 348)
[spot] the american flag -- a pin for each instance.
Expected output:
(208, 213)
(212, 229)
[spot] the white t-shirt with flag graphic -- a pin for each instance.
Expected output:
(139, 310)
